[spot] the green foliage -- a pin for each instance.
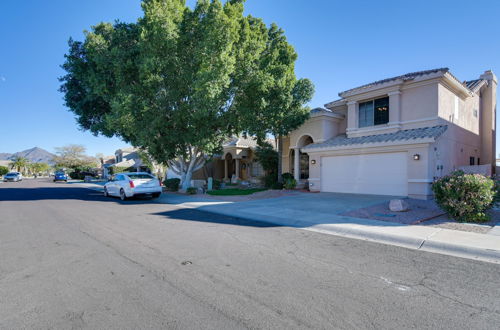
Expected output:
(37, 168)
(277, 185)
(289, 183)
(20, 164)
(120, 169)
(287, 176)
(269, 180)
(216, 184)
(465, 197)
(3, 170)
(172, 184)
(234, 191)
(267, 157)
(191, 191)
(180, 81)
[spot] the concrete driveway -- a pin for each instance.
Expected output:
(304, 209)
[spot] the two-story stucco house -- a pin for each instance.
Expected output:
(395, 136)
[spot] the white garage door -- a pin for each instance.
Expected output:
(381, 174)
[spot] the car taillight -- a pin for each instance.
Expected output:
(131, 184)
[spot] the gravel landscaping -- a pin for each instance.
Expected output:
(419, 210)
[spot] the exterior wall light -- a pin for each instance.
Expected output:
(313, 161)
(416, 157)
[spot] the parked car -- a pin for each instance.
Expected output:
(60, 176)
(13, 177)
(126, 185)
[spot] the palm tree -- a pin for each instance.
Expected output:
(19, 163)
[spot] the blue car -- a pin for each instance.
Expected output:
(60, 176)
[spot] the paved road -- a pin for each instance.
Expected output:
(70, 258)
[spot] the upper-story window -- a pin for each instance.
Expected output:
(374, 112)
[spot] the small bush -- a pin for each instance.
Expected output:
(277, 186)
(290, 184)
(269, 180)
(191, 190)
(3, 170)
(287, 176)
(216, 184)
(465, 197)
(172, 184)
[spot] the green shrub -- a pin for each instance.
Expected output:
(216, 184)
(287, 176)
(465, 197)
(172, 184)
(3, 170)
(290, 183)
(191, 190)
(270, 179)
(277, 186)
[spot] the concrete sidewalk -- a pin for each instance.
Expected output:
(445, 241)
(294, 211)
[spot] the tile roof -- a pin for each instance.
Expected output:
(241, 141)
(473, 84)
(319, 110)
(406, 76)
(404, 135)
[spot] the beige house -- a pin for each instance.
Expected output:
(236, 163)
(395, 136)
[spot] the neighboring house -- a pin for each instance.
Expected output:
(129, 158)
(395, 136)
(236, 163)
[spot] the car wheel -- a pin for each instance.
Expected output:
(156, 195)
(106, 192)
(122, 195)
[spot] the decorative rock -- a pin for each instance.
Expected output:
(398, 205)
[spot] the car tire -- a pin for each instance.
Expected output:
(122, 195)
(155, 195)
(106, 192)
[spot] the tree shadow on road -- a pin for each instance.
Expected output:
(63, 193)
(206, 217)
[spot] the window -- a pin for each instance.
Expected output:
(374, 112)
(471, 161)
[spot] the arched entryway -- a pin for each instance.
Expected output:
(300, 161)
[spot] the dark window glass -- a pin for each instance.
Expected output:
(381, 112)
(471, 161)
(366, 114)
(374, 112)
(479, 161)
(140, 176)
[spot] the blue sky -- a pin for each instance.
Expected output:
(341, 44)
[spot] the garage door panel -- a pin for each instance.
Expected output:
(384, 174)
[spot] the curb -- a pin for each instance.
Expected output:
(428, 240)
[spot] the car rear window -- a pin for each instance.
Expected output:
(140, 176)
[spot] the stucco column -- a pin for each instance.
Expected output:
(394, 107)
(296, 164)
(352, 116)
(225, 170)
(237, 160)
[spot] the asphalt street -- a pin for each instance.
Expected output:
(71, 258)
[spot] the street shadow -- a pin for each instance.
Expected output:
(208, 217)
(64, 192)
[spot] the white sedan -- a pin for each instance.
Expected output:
(126, 185)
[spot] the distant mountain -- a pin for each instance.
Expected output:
(4, 156)
(34, 155)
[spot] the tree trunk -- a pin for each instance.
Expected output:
(185, 167)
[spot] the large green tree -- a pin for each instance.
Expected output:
(180, 81)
